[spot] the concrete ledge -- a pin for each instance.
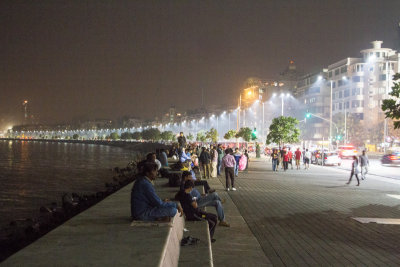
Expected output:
(201, 253)
(102, 236)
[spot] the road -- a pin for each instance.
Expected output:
(375, 168)
(307, 217)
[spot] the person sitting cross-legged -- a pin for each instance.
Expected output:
(192, 211)
(146, 205)
(211, 199)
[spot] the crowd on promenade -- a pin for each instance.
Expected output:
(284, 157)
(197, 164)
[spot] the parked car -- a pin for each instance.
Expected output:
(330, 158)
(347, 151)
(393, 158)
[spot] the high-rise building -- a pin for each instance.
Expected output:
(353, 86)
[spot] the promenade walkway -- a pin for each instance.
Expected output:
(306, 217)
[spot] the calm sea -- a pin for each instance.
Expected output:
(34, 174)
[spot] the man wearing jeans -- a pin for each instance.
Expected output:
(220, 156)
(145, 204)
(364, 163)
(228, 164)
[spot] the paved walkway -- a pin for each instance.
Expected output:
(304, 218)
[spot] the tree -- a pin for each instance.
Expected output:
(391, 106)
(230, 134)
(201, 137)
(212, 135)
(283, 130)
(75, 136)
(114, 136)
(126, 135)
(152, 134)
(137, 135)
(190, 137)
(245, 133)
(167, 136)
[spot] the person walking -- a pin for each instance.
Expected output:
(237, 157)
(285, 160)
(275, 160)
(205, 159)
(214, 162)
(297, 155)
(220, 156)
(290, 156)
(354, 170)
(307, 157)
(228, 165)
(364, 163)
(247, 156)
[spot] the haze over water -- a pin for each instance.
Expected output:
(34, 174)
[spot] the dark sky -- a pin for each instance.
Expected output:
(106, 59)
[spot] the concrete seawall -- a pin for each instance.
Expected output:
(103, 236)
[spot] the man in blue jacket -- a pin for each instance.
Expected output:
(145, 204)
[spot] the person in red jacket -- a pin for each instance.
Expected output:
(290, 155)
(285, 160)
(297, 155)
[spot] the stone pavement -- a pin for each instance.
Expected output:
(304, 218)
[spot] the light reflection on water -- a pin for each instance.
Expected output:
(34, 174)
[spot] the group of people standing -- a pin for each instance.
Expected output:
(285, 156)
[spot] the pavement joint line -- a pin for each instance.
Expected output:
(392, 221)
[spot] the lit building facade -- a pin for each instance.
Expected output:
(353, 86)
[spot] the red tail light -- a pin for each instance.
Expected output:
(392, 157)
(326, 157)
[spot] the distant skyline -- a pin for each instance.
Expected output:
(108, 59)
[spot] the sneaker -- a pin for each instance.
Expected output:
(213, 240)
(211, 191)
(227, 189)
(233, 189)
(224, 223)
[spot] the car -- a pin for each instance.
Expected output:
(392, 159)
(330, 158)
(347, 151)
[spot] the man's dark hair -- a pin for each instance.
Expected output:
(150, 156)
(148, 167)
(185, 174)
(188, 184)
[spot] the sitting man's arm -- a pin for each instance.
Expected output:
(155, 200)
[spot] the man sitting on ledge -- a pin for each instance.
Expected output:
(145, 204)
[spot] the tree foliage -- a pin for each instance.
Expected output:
(75, 136)
(201, 137)
(391, 106)
(212, 135)
(167, 136)
(230, 134)
(283, 130)
(126, 135)
(190, 137)
(136, 135)
(152, 134)
(114, 136)
(245, 133)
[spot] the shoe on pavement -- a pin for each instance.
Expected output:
(213, 240)
(233, 189)
(211, 191)
(224, 223)
(227, 189)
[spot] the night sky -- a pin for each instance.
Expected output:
(106, 59)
